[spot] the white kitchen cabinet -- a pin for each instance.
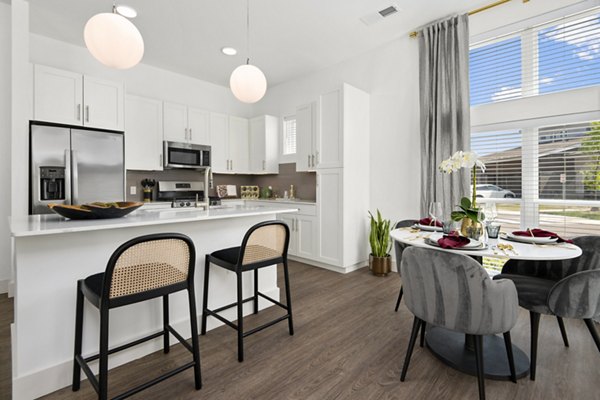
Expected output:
(306, 235)
(185, 124)
(239, 152)
(143, 133)
(75, 99)
(264, 144)
(219, 142)
(306, 137)
(330, 138)
(331, 204)
(289, 219)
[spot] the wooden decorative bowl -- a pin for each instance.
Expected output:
(96, 210)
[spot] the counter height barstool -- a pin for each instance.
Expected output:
(141, 269)
(265, 244)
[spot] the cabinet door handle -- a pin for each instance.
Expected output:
(313, 160)
(317, 157)
(309, 160)
(264, 163)
(78, 112)
(232, 165)
(185, 134)
(190, 130)
(87, 113)
(160, 160)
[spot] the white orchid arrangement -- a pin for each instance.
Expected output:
(469, 160)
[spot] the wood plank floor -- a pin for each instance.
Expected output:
(349, 344)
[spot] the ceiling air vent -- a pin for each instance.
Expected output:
(377, 16)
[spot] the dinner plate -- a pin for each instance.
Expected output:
(472, 245)
(530, 239)
(429, 228)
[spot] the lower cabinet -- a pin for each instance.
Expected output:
(306, 236)
(290, 221)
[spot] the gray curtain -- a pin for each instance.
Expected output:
(445, 118)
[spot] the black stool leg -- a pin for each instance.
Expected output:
(240, 322)
(423, 327)
(195, 345)
(399, 298)
(535, 325)
(288, 297)
(78, 338)
(479, 364)
(166, 346)
(103, 364)
(205, 295)
(563, 331)
(511, 359)
(256, 291)
(411, 345)
(590, 325)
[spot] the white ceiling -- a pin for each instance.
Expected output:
(288, 38)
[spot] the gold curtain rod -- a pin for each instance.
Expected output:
(478, 10)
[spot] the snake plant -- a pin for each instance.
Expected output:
(379, 238)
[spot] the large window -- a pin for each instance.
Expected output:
(289, 135)
(534, 97)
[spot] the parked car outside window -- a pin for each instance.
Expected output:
(493, 192)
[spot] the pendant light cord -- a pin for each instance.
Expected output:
(247, 31)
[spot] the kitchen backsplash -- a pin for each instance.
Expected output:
(305, 183)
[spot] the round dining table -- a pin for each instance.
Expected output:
(457, 349)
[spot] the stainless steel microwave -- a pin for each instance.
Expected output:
(186, 155)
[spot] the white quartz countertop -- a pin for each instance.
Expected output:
(38, 225)
(274, 201)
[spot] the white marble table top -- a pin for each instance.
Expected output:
(520, 251)
(37, 225)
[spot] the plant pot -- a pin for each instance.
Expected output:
(470, 229)
(380, 266)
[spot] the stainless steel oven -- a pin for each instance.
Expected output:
(186, 155)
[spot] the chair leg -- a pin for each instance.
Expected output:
(535, 325)
(479, 364)
(411, 345)
(240, 318)
(563, 331)
(399, 298)
(166, 346)
(423, 327)
(78, 338)
(256, 291)
(205, 296)
(195, 345)
(511, 359)
(288, 297)
(590, 325)
(103, 360)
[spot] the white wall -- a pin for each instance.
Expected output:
(5, 129)
(390, 75)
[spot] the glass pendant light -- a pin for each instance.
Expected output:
(114, 40)
(247, 82)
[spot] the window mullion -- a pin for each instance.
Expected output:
(530, 178)
(530, 63)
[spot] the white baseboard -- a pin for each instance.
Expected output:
(58, 376)
(334, 268)
(4, 286)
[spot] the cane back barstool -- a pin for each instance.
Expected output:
(143, 268)
(264, 244)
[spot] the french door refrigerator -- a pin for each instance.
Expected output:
(74, 166)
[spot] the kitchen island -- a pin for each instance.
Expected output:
(50, 253)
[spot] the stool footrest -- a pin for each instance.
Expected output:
(183, 342)
(223, 320)
(154, 381)
(264, 296)
(126, 346)
(88, 372)
(231, 305)
(268, 324)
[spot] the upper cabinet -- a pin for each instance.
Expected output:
(143, 133)
(229, 141)
(239, 152)
(75, 99)
(264, 144)
(330, 139)
(306, 153)
(185, 124)
(219, 142)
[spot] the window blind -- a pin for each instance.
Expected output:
(560, 55)
(289, 135)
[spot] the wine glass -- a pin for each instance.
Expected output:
(491, 212)
(435, 212)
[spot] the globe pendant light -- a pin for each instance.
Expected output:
(247, 82)
(113, 40)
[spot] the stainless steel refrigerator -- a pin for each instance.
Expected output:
(74, 166)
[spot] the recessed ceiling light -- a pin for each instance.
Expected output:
(229, 51)
(126, 11)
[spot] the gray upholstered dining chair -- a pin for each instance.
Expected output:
(453, 291)
(565, 289)
(399, 247)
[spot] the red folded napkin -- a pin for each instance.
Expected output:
(540, 233)
(453, 242)
(429, 221)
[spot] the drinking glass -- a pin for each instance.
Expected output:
(491, 212)
(435, 211)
